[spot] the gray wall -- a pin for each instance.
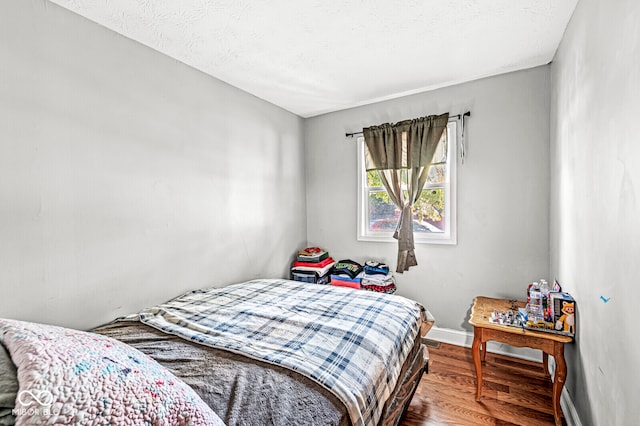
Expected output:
(503, 192)
(595, 204)
(127, 177)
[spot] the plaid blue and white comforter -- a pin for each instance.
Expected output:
(352, 342)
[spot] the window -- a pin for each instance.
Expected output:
(434, 213)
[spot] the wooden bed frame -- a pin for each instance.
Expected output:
(399, 401)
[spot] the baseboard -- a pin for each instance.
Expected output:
(464, 338)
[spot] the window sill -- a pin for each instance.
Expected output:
(390, 239)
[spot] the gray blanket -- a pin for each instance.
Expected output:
(240, 390)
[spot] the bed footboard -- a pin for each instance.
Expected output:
(406, 388)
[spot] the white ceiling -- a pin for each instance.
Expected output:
(317, 56)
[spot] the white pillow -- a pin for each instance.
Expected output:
(74, 377)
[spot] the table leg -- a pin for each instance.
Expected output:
(558, 380)
(484, 351)
(475, 350)
(545, 363)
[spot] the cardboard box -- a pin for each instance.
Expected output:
(564, 312)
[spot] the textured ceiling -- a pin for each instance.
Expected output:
(314, 56)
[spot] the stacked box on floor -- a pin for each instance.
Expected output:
(312, 265)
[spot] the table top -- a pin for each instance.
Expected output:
(484, 306)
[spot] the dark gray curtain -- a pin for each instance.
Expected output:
(405, 146)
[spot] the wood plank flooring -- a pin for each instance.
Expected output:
(514, 392)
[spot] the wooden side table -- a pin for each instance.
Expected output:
(549, 343)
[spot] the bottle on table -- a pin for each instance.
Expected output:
(546, 309)
(535, 304)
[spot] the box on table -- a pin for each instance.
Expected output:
(564, 312)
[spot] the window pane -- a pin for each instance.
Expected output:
(429, 210)
(383, 214)
(437, 174)
(440, 156)
(373, 179)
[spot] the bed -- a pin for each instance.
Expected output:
(281, 352)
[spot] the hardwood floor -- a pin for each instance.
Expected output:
(514, 392)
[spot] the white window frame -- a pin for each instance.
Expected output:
(449, 236)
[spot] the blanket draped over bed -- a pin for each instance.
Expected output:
(353, 346)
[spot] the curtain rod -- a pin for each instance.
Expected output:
(451, 118)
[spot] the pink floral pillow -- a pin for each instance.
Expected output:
(74, 377)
